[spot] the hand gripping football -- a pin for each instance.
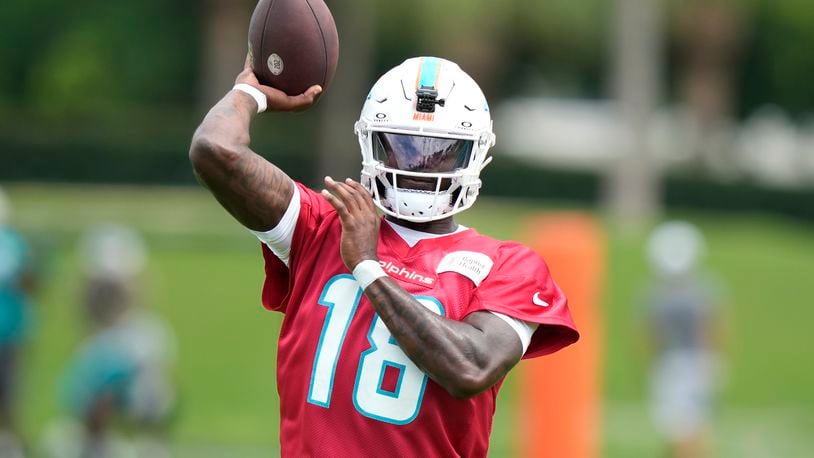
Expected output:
(293, 44)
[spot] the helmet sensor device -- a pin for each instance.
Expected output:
(427, 98)
(424, 133)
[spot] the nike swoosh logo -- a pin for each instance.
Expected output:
(537, 301)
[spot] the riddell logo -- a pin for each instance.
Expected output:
(407, 275)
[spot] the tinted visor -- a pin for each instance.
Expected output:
(414, 153)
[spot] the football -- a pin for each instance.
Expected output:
(293, 44)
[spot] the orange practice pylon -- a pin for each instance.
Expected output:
(560, 394)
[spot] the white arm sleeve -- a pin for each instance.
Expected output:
(279, 238)
(523, 329)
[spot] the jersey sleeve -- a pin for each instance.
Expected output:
(520, 286)
(312, 213)
(278, 239)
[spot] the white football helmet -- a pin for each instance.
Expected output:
(113, 252)
(424, 131)
(675, 248)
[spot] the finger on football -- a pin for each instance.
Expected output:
(306, 99)
(246, 76)
(247, 64)
(276, 98)
(280, 101)
(313, 91)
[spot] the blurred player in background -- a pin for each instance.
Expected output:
(17, 282)
(685, 332)
(119, 378)
(398, 331)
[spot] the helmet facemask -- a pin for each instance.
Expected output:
(421, 164)
(421, 178)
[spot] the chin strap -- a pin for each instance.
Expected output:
(408, 202)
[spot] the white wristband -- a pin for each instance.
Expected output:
(366, 272)
(255, 93)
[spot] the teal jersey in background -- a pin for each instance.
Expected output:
(15, 313)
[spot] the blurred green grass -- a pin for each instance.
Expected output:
(205, 274)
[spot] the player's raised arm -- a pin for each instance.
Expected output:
(249, 187)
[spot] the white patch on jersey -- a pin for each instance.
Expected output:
(475, 266)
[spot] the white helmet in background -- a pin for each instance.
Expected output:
(424, 132)
(113, 252)
(675, 247)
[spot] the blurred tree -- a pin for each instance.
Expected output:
(778, 62)
(337, 153)
(633, 191)
(100, 56)
(468, 32)
(226, 25)
(509, 48)
(557, 47)
(708, 35)
(114, 76)
(89, 53)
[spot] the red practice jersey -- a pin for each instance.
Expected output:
(345, 386)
